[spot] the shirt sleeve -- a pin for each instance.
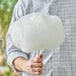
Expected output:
(12, 51)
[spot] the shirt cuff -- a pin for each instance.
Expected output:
(11, 58)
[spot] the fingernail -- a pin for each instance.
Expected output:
(41, 56)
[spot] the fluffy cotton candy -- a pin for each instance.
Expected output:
(37, 31)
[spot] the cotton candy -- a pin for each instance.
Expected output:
(37, 31)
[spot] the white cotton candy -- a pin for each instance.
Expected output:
(37, 31)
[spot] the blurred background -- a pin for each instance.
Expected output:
(6, 10)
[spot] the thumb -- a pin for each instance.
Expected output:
(40, 56)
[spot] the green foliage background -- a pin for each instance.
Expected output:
(6, 9)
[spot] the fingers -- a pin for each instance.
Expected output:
(37, 68)
(36, 73)
(36, 65)
(37, 59)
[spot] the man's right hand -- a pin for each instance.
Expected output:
(32, 66)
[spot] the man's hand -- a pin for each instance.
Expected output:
(32, 66)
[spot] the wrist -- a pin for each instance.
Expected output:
(19, 63)
(24, 65)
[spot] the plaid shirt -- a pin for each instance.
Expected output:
(59, 61)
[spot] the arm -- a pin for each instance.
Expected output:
(31, 66)
(17, 59)
(11, 51)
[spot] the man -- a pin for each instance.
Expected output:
(59, 61)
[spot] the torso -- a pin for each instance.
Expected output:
(58, 61)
